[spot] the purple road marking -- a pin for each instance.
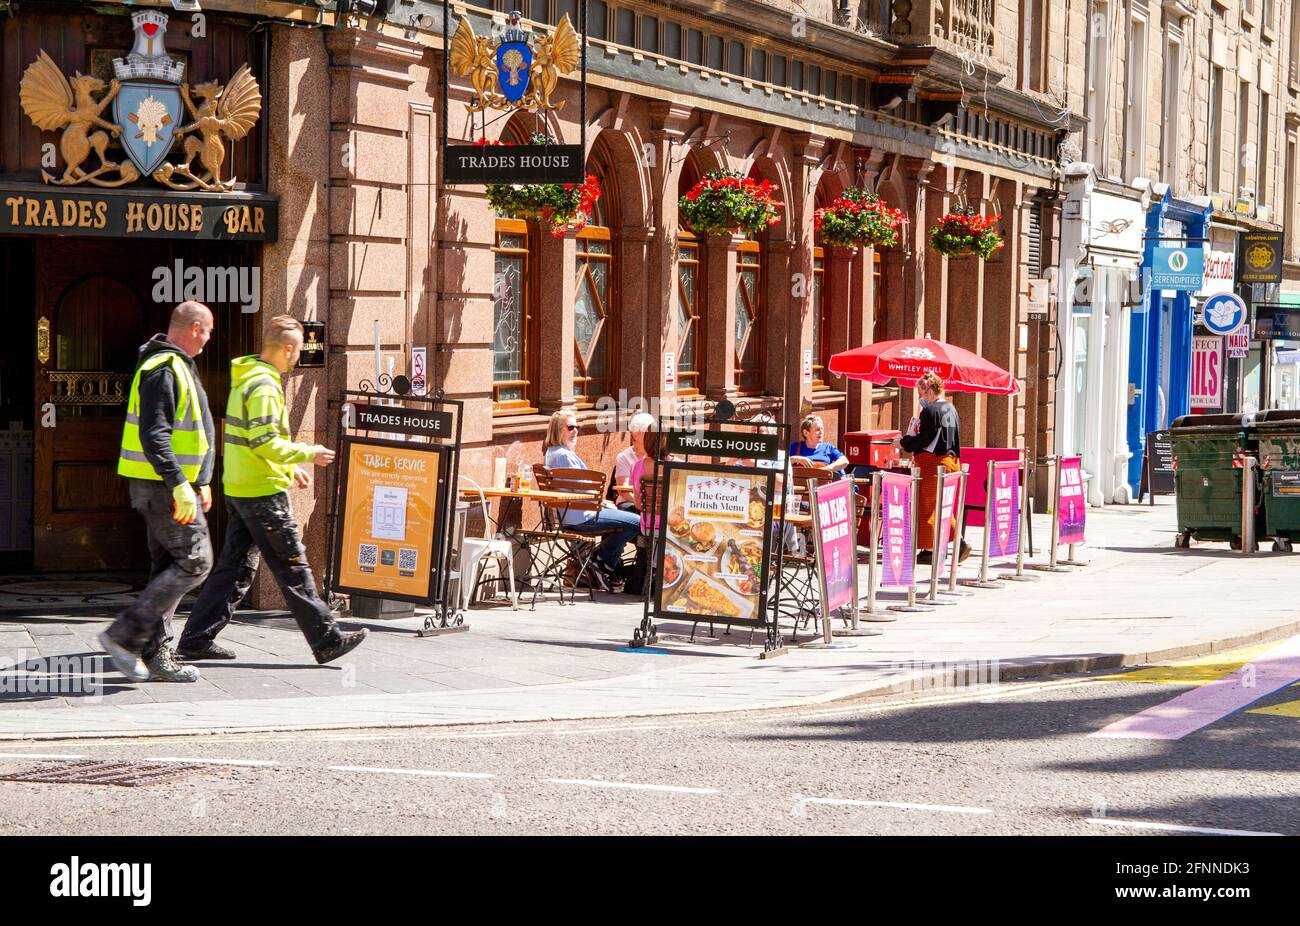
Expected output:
(1200, 707)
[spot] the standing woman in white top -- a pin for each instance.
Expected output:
(627, 458)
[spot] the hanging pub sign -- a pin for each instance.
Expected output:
(1259, 257)
(513, 70)
(1276, 323)
(313, 345)
(1178, 268)
(714, 543)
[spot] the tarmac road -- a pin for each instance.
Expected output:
(1012, 759)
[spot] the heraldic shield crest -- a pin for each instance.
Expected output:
(514, 62)
(149, 100)
(518, 70)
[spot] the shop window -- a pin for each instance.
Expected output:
(778, 71)
(715, 52)
(749, 318)
(694, 46)
(690, 338)
(595, 304)
(758, 64)
(649, 34)
(625, 28)
(736, 59)
(597, 19)
(512, 321)
(673, 40)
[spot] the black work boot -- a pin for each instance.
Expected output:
(342, 644)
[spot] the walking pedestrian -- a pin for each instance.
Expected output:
(260, 463)
(167, 457)
(937, 442)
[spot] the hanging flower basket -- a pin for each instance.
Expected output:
(725, 202)
(858, 219)
(963, 232)
(557, 207)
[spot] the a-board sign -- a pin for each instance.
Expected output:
(417, 422)
(714, 541)
(390, 536)
(1157, 467)
(737, 445)
(835, 543)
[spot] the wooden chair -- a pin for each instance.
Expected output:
(564, 554)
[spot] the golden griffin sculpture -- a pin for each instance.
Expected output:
(223, 112)
(475, 57)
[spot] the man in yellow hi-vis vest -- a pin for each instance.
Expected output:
(260, 462)
(167, 457)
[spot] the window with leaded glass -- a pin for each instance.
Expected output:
(749, 318)
(818, 308)
(593, 311)
(690, 339)
(512, 389)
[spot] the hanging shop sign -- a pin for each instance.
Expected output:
(1220, 272)
(1276, 323)
(1177, 268)
(155, 113)
(513, 70)
(1224, 314)
(391, 505)
(1238, 345)
(1207, 373)
(1259, 257)
(714, 543)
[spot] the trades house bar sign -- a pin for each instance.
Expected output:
(150, 104)
(513, 70)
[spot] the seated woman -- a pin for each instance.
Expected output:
(628, 457)
(813, 451)
(561, 438)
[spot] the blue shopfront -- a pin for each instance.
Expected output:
(1160, 334)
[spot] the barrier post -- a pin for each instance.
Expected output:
(854, 629)
(1022, 526)
(1051, 565)
(871, 613)
(960, 538)
(1247, 505)
(984, 581)
(936, 556)
(912, 606)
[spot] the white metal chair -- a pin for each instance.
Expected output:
(475, 551)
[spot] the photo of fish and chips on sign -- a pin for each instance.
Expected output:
(713, 552)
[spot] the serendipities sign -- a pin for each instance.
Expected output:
(1259, 257)
(1177, 268)
(1004, 509)
(835, 539)
(1072, 507)
(897, 553)
(736, 445)
(714, 543)
(389, 535)
(121, 214)
(1207, 372)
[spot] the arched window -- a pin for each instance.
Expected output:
(595, 302)
(514, 335)
(689, 302)
(750, 311)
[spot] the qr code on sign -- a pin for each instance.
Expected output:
(406, 559)
(368, 555)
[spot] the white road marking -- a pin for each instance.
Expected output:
(846, 802)
(426, 772)
(1143, 825)
(200, 760)
(41, 755)
(629, 786)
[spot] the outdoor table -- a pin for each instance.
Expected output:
(518, 496)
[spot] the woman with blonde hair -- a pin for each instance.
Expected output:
(937, 442)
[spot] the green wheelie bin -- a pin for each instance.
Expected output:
(1277, 435)
(1207, 483)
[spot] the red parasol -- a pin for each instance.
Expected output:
(910, 359)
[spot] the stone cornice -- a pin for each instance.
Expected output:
(378, 57)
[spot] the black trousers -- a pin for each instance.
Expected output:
(180, 555)
(256, 528)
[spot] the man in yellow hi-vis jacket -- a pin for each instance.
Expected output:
(167, 457)
(260, 463)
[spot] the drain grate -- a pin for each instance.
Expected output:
(126, 774)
